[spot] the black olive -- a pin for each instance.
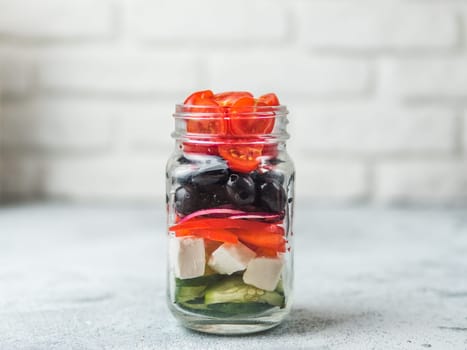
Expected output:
(272, 196)
(187, 200)
(214, 196)
(183, 160)
(204, 179)
(241, 189)
(272, 175)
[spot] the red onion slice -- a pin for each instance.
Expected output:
(258, 216)
(233, 214)
(218, 212)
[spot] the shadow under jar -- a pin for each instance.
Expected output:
(230, 199)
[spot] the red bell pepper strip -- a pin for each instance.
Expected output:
(214, 235)
(257, 234)
(221, 223)
(267, 252)
(270, 241)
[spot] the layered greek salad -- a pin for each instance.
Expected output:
(227, 240)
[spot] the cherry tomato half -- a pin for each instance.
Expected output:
(242, 158)
(200, 148)
(245, 119)
(269, 100)
(227, 99)
(207, 124)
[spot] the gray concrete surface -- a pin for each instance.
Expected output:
(93, 277)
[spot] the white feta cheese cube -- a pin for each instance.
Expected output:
(187, 257)
(263, 273)
(230, 258)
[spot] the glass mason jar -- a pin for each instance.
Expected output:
(230, 198)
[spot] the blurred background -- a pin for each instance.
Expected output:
(377, 92)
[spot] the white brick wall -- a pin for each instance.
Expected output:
(56, 19)
(368, 130)
(295, 74)
(118, 74)
(377, 92)
(206, 21)
(16, 75)
(375, 25)
(56, 126)
(437, 78)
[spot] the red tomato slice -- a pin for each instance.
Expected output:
(269, 100)
(244, 125)
(199, 95)
(238, 103)
(200, 148)
(214, 124)
(242, 158)
(227, 99)
(252, 121)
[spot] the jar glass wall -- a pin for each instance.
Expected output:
(230, 205)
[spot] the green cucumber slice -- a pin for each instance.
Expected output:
(197, 281)
(280, 287)
(187, 293)
(234, 290)
(225, 310)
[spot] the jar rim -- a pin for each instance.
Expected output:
(183, 111)
(184, 114)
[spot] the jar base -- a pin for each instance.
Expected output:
(229, 328)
